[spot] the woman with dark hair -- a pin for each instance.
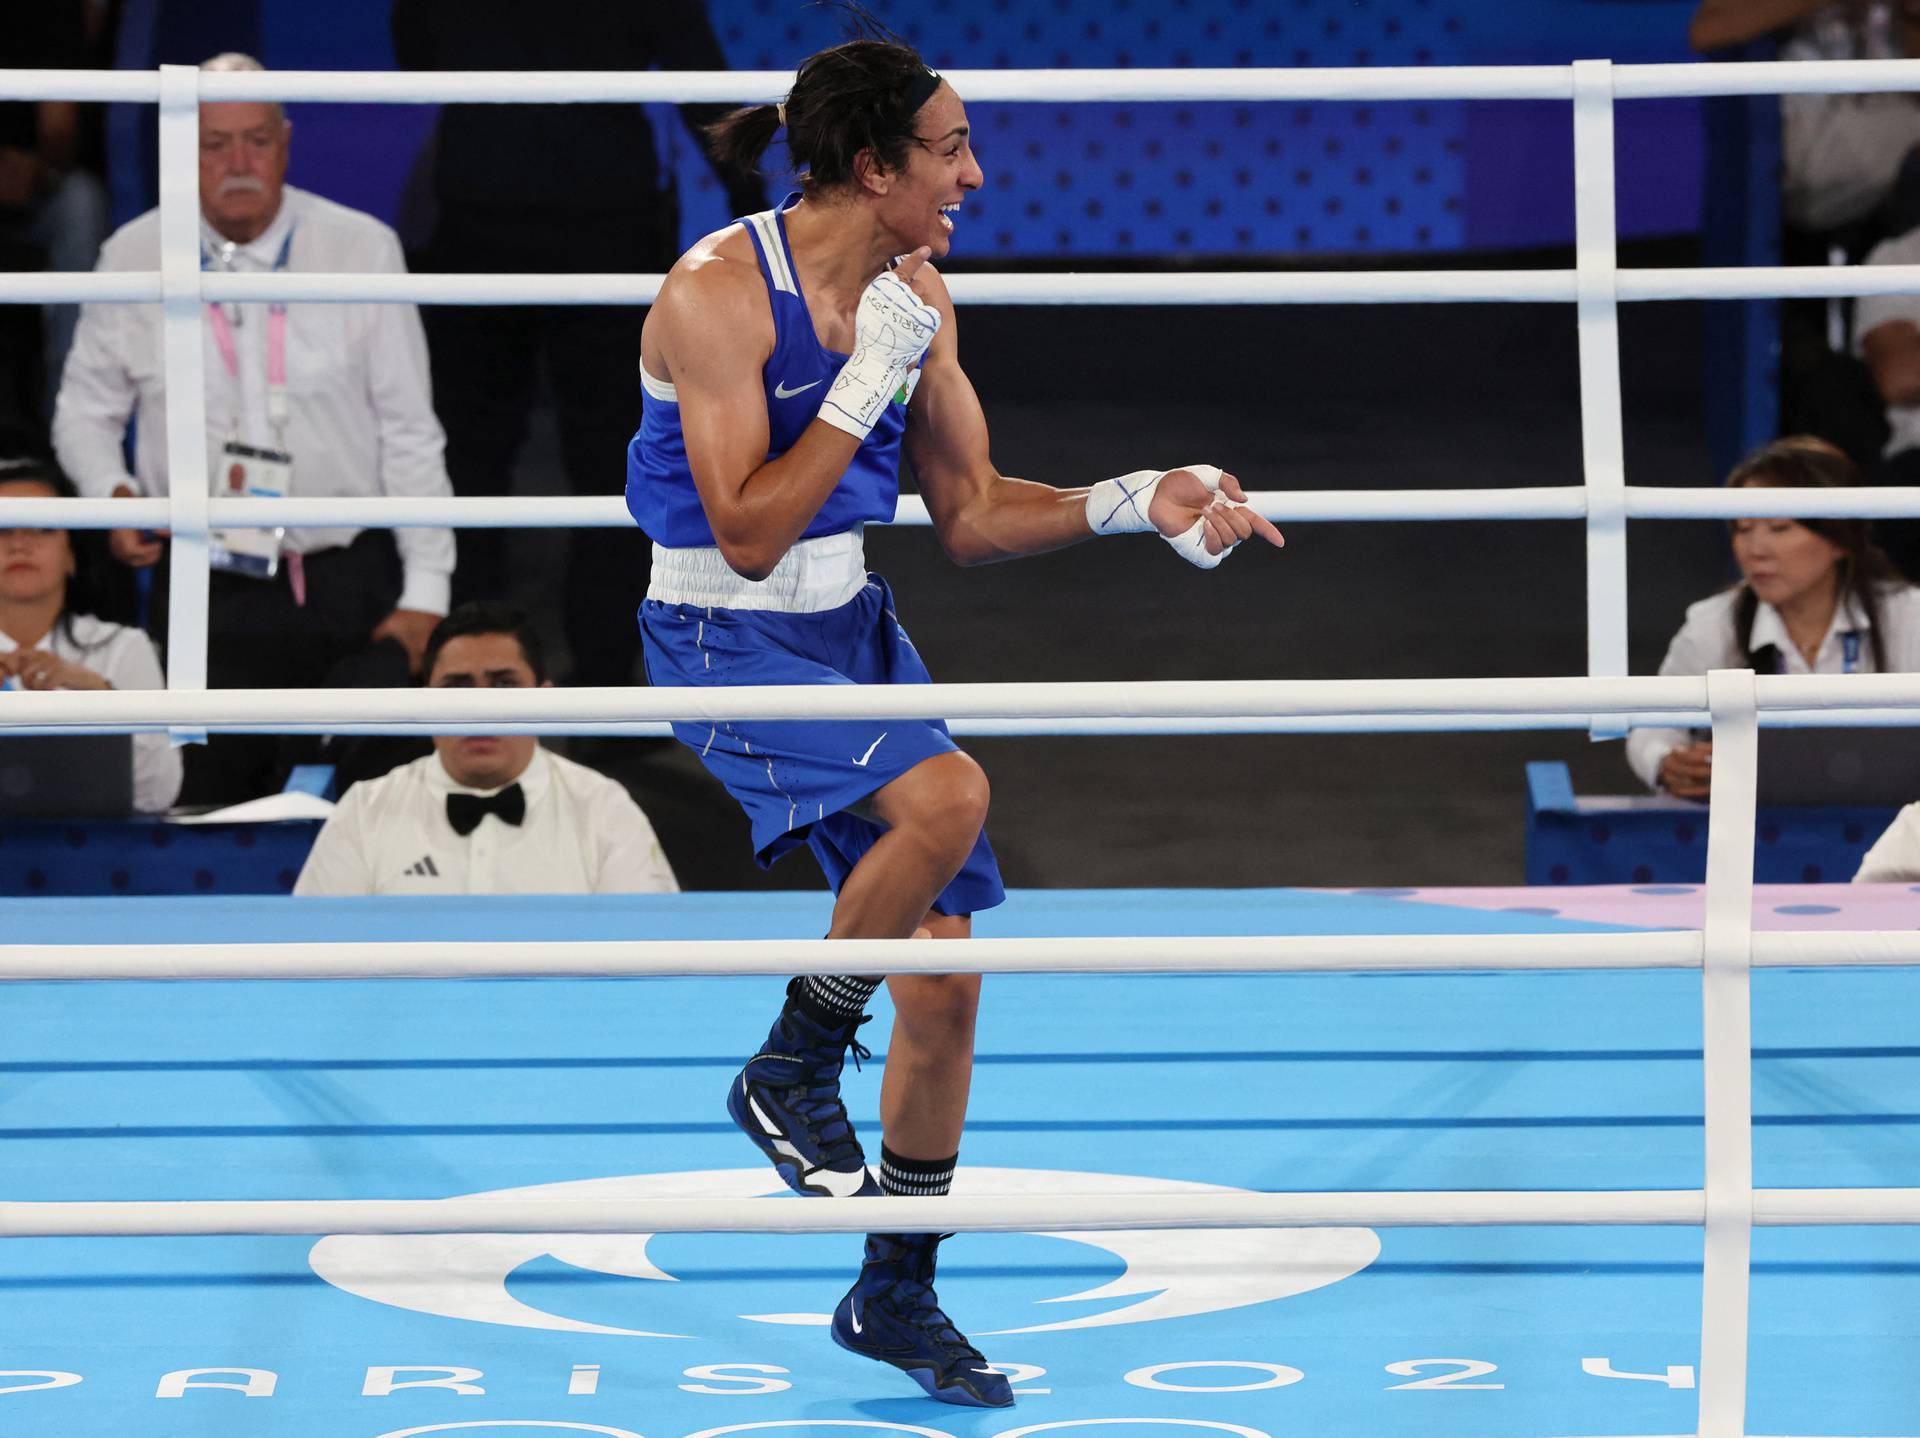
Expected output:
(787, 362)
(1816, 596)
(50, 640)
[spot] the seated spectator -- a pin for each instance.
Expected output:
(1844, 154)
(487, 814)
(49, 639)
(1815, 597)
(319, 399)
(1895, 855)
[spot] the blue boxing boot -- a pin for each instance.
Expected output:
(787, 1100)
(892, 1314)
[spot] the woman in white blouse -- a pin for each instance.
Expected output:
(46, 644)
(1815, 597)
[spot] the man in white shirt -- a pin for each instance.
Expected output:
(340, 392)
(486, 814)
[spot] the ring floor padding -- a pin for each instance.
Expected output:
(429, 1089)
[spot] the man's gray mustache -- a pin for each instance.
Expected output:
(233, 184)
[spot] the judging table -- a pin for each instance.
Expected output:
(88, 858)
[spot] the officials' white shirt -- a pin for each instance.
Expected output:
(1706, 642)
(1895, 855)
(126, 659)
(582, 834)
(1872, 311)
(361, 418)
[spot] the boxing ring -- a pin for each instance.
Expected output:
(1251, 1162)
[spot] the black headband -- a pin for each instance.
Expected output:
(920, 90)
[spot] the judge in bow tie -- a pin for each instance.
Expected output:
(487, 813)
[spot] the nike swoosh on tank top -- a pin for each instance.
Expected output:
(660, 491)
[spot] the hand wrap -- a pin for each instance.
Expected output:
(891, 332)
(1119, 506)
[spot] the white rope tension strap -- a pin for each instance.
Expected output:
(1602, 445)
(186, 399)
(1092, 699)
(1726, 1018)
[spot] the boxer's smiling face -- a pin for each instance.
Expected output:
(923, 201)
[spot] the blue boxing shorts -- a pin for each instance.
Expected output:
(797, 779)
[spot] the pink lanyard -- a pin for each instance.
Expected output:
(276, 349)
(276, 386)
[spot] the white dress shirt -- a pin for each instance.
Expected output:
(1706, 642)
(1895, 855)
(126, 659)
(361, 418)
(582, 834)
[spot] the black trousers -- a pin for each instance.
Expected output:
(486, 363)
(259, 638)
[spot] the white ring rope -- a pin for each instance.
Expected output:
(1602, 425)
(1460, 82)
(1235, 287)
(985, 1214)
(1210, 954)
(1825, 700)
(1334, 953)
(1052, 1213)
(1565, 501)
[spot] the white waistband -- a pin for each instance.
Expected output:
(814, 575)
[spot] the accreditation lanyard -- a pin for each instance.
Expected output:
(276, 349)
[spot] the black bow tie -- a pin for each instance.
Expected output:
(465, 811)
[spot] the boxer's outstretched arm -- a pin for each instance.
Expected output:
(982, 515)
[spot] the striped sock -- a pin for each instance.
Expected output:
(915, 1177)
(836, 997)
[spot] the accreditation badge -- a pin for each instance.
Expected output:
(241, 469)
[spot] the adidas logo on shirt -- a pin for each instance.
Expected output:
(423, 868)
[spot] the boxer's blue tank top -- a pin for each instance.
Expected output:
(660, 492)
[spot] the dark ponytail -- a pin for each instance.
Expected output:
(859, 96)
(740, 137)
